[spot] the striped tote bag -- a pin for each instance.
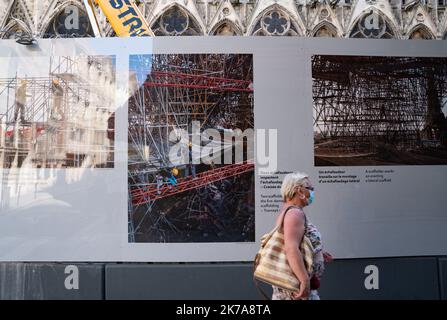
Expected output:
(270, 264)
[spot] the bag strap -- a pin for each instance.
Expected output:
(284, 216)
(270, 234)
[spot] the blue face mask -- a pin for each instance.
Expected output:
(311, 197)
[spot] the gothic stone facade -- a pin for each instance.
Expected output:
(397, 19)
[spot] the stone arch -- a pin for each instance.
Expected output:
(17, 20)
(233, 29)
(291, 26)
(11, 29)
(381, 26)
(326, 27)
(175, 19)
(421, 31)
(49, 29)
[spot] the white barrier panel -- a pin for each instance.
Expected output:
(109, 148)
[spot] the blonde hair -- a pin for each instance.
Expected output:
(290, 182)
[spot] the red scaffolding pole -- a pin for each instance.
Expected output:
(150, 192)
(195, 81)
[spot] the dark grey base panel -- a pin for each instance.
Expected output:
(47, 281)
(399, 278)
(185, 281)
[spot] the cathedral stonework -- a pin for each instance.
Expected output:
(378, 19)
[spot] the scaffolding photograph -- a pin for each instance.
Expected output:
(375, 110)
(57, 112)
(174, 96)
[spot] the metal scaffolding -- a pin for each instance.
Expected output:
(364, 102)
(217, 91)
(151, 192)
(62, 121)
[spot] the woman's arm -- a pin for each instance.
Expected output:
(293, 233)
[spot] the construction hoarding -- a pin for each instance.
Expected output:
(126, 149)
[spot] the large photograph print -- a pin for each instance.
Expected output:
(375, 110)
(187, 106)
(57, 112)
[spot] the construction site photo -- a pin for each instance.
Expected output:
(376, 110)
(57, 112)
(193, 201)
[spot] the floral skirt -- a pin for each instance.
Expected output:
(281, 294)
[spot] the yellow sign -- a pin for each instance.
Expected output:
(125, 18)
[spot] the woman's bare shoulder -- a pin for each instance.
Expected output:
(295, 212)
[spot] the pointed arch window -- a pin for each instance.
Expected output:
(421, 33)
(65, 24)
(225, 29)
(325, 32)
(12, 32)
(372, 25)
(175, 22)
(275, 22)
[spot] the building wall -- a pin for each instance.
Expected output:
(399, 19)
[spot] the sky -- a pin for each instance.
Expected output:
(140, 64)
